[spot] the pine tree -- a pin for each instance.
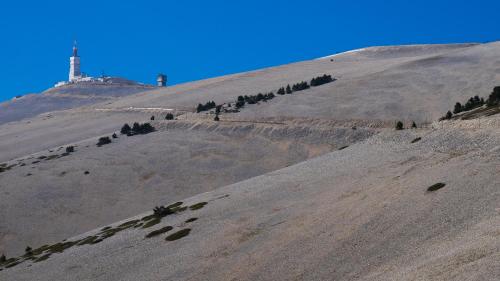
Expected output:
(125, 129)
(399, 125)
(458, 108)
(288, 89)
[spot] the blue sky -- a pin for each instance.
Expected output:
(191, 40)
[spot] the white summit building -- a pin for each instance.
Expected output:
(76, 76)
(74, 65)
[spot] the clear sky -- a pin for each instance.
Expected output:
(191, 40)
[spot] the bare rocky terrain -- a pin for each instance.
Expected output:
(316, 185)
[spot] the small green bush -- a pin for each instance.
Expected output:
(436, 186)
(197, 206)
(178, 235)
(416, 140)
(159, 231)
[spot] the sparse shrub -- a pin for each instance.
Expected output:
(169, 116)
(216, 118)
(436, 186)
(70, 149)
(152, 118)
(3, 259)
(413, 125)
(86, 173)
(178, 235)
(28, 250)
(103, 141)
(197, 206)
(114, 136)
(416, 140)
(162, 211)
(159, 231)
(399, 125)
(125, 129)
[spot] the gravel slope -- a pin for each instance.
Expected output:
(362, 213)
(281, 204)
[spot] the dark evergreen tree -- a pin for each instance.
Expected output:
(240, 104)
(288, 89)
(152, 118)
(70, 149)
(136, 128)
(448, 115)
(494, 98)
(114, 136)
(399, 125)
(169, 116)
(103, 140)
(125, 129)
(414, 125)
(458, 108)
(281, 91)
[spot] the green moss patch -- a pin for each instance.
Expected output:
(60, 247)
(159, 231)
(197, 206)
(42, 258)
(178, 235)
(51, 157)
(436, 186)
(152, 222)
(175, 205)
(128, 224)
(150, 217)
(13, 264)
(88, 240)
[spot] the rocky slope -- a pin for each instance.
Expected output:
(309, 186)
